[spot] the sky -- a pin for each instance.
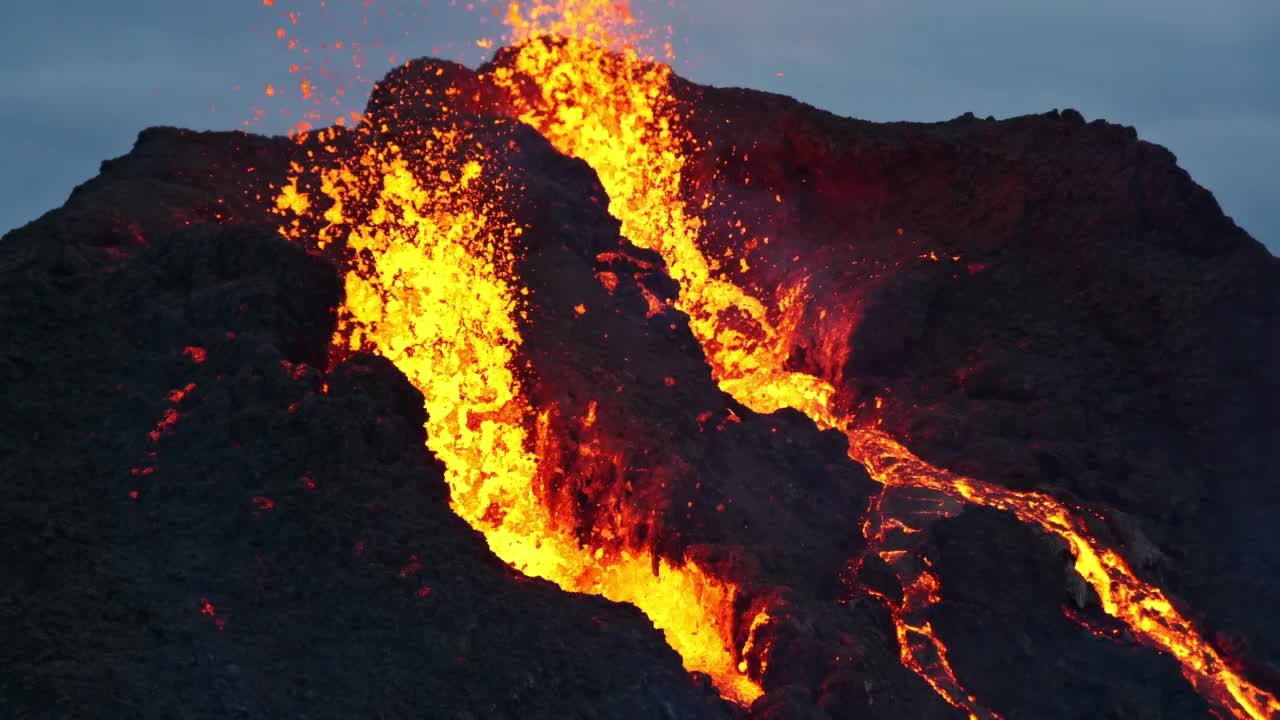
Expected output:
(80, 78)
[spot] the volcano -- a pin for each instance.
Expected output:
(565, 387)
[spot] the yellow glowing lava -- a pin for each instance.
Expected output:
(614, 109)
(597, 98)
(431, 286)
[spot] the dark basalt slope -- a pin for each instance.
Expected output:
(1104, 335)
(1093, 326)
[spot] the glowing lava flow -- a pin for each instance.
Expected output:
(891, 535)
(1144, 608)
(431, 286)
(615, 110)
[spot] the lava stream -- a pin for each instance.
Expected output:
(599, 100)
(431, 285)
(1144, 608)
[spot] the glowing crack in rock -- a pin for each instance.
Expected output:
(431, 286)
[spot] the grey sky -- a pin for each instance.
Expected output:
(80, 78)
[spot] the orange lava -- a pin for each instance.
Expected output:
(891, 535)
(431, 285)
(1144, 608)
(597, 98)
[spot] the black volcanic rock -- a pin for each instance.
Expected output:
(782, 541)
(276, 550)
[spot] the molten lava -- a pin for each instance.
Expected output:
(432, 283)
(616, 111)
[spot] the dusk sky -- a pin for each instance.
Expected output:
(82, 77)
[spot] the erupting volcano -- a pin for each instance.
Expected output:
(666, 335)
(433, 265)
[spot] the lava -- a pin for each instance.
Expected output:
(600, 100)
(432, 284)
